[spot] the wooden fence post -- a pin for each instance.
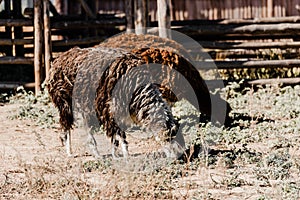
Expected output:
(47, 38)
(141, 16)
(8, 31)
(38, 43)
(129, 15)
(18, 31)
(164, 22)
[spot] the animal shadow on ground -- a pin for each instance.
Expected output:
(231, 121)
(234, 120)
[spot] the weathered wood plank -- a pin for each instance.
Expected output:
(18, 31)
(15, 85)
(248, 45)
(141, 16)
(88, 23)
(289, 63)
(7, 60)
(129, 15)
(223, 29)
(16, 22)
(164, 23)
(15, 41)
(74, 42)
(47, 37)
(38, 43)
(285, 81)
(8, 30)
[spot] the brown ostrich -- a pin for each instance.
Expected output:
(103, 68)
(154, 49)
(94, 74)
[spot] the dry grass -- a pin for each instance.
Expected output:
(257, 158)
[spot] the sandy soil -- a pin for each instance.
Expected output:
(29, 153)
(33, 165)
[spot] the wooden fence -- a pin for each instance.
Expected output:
(225, 35)
(232, 43)
(248, 44)
(213, 9)
(33, 39)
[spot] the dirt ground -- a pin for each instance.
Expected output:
(32, 156)
(29, 154)
(33, 163)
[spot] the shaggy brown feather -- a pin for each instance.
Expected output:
(154, 49)
(76, 66)
(97, 71)
(60, 83)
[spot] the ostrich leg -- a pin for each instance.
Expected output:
(65, 138)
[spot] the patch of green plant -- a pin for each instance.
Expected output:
(233, 180)
(264, 197)
(275, 166)
(37, 108)
(290, 190)
(4, 97)
(97, 165)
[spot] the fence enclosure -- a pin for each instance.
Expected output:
(213, 9)
(30, 37)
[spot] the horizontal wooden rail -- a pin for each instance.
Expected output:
(226, 29)
(60, 22)
(249, 45)
(267, 20)
(249, 37)
(15, 41)
(74, 42)
(232, 54)
(289, 63)
(15, 60)
(271, 20)
(15, 85)
(286, 81)
(88, 24)
(16, 22)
